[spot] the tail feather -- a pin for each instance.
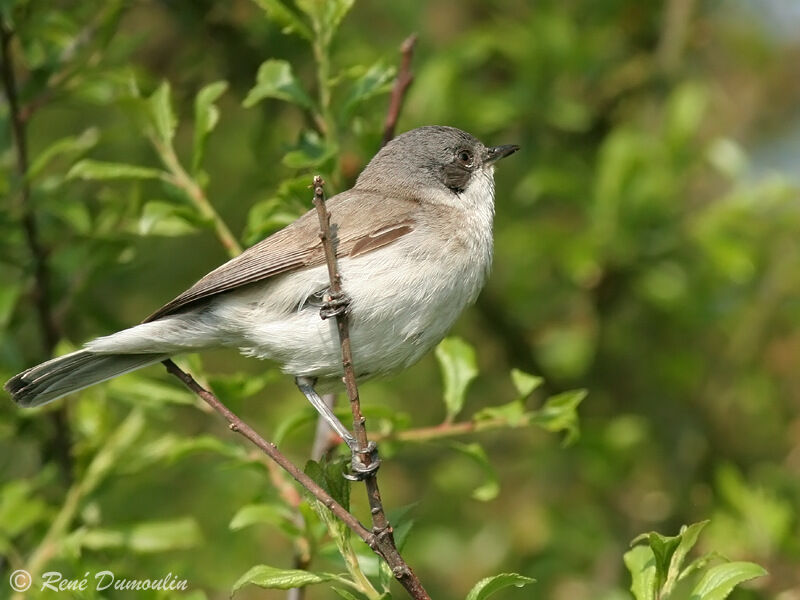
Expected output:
(72, 372)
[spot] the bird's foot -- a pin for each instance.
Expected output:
(359, 470)
(334, 304)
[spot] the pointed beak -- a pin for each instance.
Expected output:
(497, 152)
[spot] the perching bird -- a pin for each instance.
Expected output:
(414, 247)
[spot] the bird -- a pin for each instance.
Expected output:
(414, 243)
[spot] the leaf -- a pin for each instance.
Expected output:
(171, 447)
(19, 508)
(285, 18)
(142, 390)
(720, 580)
(72, 145)
(486, 587)
(491, 487)
(688, 538)
(560, 413)
(99, 170)
(206, 115)
(312, 151)
(525, 383)
(276, 80)
(344, 594)
(328, 475)
(162, 116)
(273, 578)
(375, 81)
(512, 413)
(459, 367)
(266, 217)
(144, 538)
(169, 220)
(273, 514)
(663, 548)
(642, 566)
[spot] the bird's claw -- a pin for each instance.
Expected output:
(334, 305)
(359, 471)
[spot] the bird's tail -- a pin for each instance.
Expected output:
(72, 372)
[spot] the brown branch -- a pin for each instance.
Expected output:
(401, 84)
(380, 525)
(271, 450)
(48, 327)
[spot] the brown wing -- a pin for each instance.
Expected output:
(363, 222)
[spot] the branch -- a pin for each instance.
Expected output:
(380, 524)
(380, 542)
(182, 180)
(48, 327)
(401, 84)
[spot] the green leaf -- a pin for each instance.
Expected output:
(375, 81)
(169, 220)
(68, 146)
(560, 413)
(486, 587)
(525, 383)
(720, 580)
(171, 447)
(19, 508)
(273, 514)
(273, 578)
(276, 80)
(144, 538)
(491, 487)
(328, 475)
(344, 594)
(513, 413)
(142, 390)
(206, 115)
(267, 217)
(459, 367)
(326, 15)
(642, 566)
(99, 170)
(161, 114)
(285, 18)
(312, 151)
(663, 548)
(688, 538)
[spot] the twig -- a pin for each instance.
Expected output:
(401, 84)
(48, 327)
(381, 544)
(182, 180)
(380, 525)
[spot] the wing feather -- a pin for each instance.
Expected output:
(298, 245)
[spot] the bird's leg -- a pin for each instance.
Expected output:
(333, 304)
(360, 470)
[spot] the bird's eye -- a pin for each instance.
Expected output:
(465, 157)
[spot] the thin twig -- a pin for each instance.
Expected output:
(380, 525)
(382, 544)
(182, 180)
(48, 327)
(401, 84)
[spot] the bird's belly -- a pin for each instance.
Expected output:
(400, 308)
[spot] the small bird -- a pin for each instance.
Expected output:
(414, 247)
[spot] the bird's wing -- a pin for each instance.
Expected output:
(298, 245)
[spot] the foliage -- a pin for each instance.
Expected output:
(647, 250)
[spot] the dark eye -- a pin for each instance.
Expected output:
(465, 157)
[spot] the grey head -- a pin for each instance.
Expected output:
(429, 162)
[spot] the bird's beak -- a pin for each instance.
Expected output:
(497, 152)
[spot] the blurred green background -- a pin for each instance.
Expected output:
(647, 250)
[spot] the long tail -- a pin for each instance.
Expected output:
(72, 372)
